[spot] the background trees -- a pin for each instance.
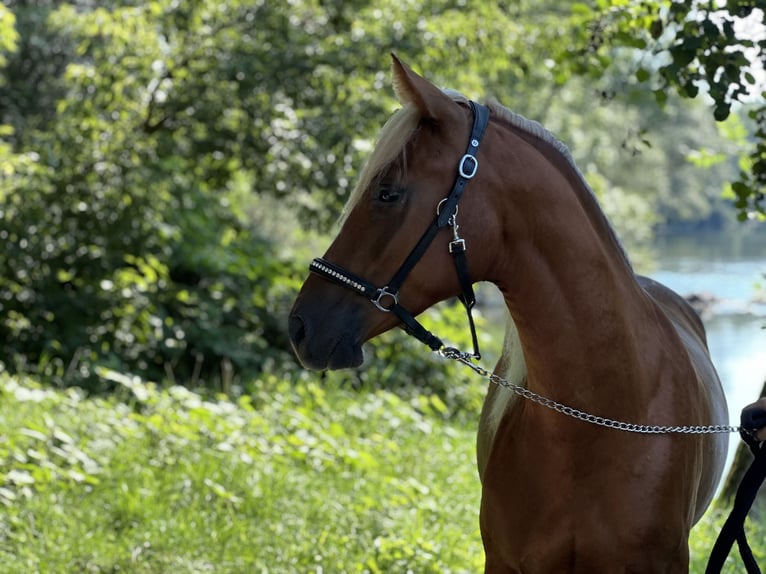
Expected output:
(717, 49)
(165, 166)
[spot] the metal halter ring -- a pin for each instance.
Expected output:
(381, 293)
(439, 207)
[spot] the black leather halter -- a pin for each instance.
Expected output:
(446, 215)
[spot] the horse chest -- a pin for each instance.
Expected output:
(539, 515)
(499, 400)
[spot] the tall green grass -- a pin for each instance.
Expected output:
(291, 478)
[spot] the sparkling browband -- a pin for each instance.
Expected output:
(325, 270)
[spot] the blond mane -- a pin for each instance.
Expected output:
(401, 126)
(392, 139)
(537, 130)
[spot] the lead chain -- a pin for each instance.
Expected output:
(464, 358)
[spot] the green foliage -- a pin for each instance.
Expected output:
(122, 241)
(288, 479)
(706, 532)
(132, 238)
(161, 163)
(8, 34)
(409, 370)
(692, 47)
(164, 167)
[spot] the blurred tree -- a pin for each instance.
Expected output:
(8, 34)
(713, 48)
(158, 159)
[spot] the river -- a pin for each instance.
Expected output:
(729, 268)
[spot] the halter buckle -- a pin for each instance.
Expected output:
(381, 293)
(457, 246)
(472, 167)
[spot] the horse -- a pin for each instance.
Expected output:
(557, 494)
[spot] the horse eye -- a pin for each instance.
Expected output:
(389, 194)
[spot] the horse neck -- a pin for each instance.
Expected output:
(567, 284)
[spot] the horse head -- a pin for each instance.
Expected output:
(420, 152)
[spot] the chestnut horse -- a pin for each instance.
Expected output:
(558, 494)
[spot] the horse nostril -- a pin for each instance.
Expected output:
(297, 330)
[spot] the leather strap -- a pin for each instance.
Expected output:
(467, 296)
(339, 275)
(734, 527)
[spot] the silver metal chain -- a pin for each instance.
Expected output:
(465, 358)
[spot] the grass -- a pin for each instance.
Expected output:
(291, 478)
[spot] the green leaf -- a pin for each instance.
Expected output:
(581, 9)
(661, 97)
(683, 55)
(722, 110)
(741, 189)
(691, 90)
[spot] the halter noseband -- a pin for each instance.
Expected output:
(386, 298)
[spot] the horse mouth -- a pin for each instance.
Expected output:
(321, 351)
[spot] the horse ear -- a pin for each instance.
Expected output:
(414, 89)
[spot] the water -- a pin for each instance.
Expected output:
(729, 267)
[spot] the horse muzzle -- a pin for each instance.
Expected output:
(324, 343)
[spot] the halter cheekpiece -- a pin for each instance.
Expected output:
(386, 298)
